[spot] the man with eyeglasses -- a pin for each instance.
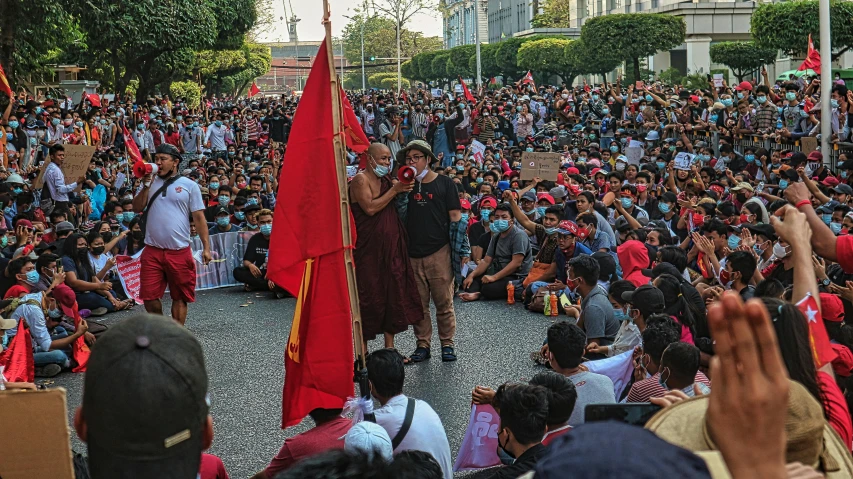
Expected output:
(438, 245)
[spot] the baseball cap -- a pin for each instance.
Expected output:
(466, 205)
(369, 438)
(567, 227)
(64, 226)
(223, 210)
(744, 85)
(843, 189)
(815, 156)
(24, 222)
(830, 181)
(25, 251)
(168, 149)
(546, 197)
(572, 171)
(529, 195)
(145, 401)
(646, 298)
(488, 202)
(832, 309)
(742, 186)
(661, 268)
(557, 192)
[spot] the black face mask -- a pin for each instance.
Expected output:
(97, 251)
(137, 235)
(82, 251)
(107, 237)
(741, 197)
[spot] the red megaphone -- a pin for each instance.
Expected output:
(141, 168)
(407, 174)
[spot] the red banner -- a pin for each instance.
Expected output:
(128, 272)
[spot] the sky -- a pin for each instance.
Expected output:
(311, 14)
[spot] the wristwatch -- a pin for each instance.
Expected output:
(824, 282)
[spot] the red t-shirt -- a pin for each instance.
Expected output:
(16, 292)
(844, 252)
(314, 441)
(552, 435)
(212, 467)
(838, 415)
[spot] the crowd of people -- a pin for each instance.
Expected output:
(718, 259)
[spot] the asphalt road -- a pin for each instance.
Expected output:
(244, 342)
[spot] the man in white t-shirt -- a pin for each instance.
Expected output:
(167, 258)
(425, 432)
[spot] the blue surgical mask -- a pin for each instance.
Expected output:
(844, 174)
(664, 207)
(103, 122)
(627, 202)
(783, 184)
(790, 96)
(382, 108)
(140, 126)
(240, 215)
(761, 99)
(33, 276)
(479, 180)
(10, 136)
(120, 217)
(17, 191)
(380, 170)
(266, 230)
(4, 241)
(529, 149)
(195, 124)
(484, 214)
(779, 109)
(594, 97)
(224, 200)
(727, 102)
(465, 217)
(79, 124)
(54, 121)
(740, 96)
(592, 136)
(835, 227)
(499, 226)
(649, 98)
(826, 217)
(252, 201)
(217, 123)
(497, 156)
(734, 241)
(605, 111)
(550, 231)
(39, 110)
(214, 185)
(713, 118)
(834, 103)
(614, 149)
(661, 165)
(662, 381)
(128, 215)
(541, 210)
(518, 108)
(620, 315)
(749, 158)
(13, 124)
(223, 221)
(55, 313)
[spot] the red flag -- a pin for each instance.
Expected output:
(17, 361)
(812, 60)
(94, 99)
(466, 91)
(254, 90)
(353, 132)
(4, 83)
(130, 145)
(528, 78)
(822, 351)
(404, 96)
(319, 354)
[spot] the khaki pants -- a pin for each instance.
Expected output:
(435, 280)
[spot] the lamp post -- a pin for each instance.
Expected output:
(825, 80)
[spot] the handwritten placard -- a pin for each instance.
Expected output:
(542, 165)
(634, 154)
(809, 144)
(718, 80)
(77, 159)
(683, 161)
(478, 151)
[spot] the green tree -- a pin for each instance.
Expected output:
(671, 76)
(234, 18)
(407, 69)
(439, 66)
(380, 39)
(555, 14)
(258, 62)
(30, 31)
(632, 36)
(786, 26)
(506, 57)
(587, 61)
(425, 64)
(741, 57)
(548, 57)
(459, 57)
(391, 83)
(488, 65)
(189, 91)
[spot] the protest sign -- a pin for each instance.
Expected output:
(718, 80)
(683, 161)
(437, 92)
(128, 273)
(77, 159)
(478, 151)
(635, 144)
(618, 368)
(634, 154)
(808, 144)
(479, 445)
(542, 165)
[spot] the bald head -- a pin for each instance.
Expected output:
(378, 149)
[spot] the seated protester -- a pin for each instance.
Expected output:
(224, 201)
(661, 331)
(595, 240)
(543, 268)
(114, 237)
(596, 313)
(238, 219)
(625, 206)
(738, 272)
(782, 266)
(103, 263)
(51, 343)
(679, 368)
(92, 293)
(586, 203)
(568, 247)
(223, 222)
(562, 396)
(26, 272)
(477, 230)
(523, 410)
(328, 432)
(565, 351)
(634, 258)
(251, 211)
(386, 373)
(509, 258)
(135, 238)
(607, 269)
(24, 235)
(674, 256)
(631, 308)
(253, 272)
(658, 237)
(63, 230)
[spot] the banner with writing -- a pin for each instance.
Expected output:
(618, 368)
(128, 273)
(479, 445)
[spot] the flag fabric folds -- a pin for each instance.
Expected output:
(254, 90)
(132, 148)
(16, 362)
(528, 78)
(812, 61)
(467, 92)
(310, 263)
(819, 344)
(5, 87)
(353, 132)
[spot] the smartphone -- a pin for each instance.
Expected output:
(58, 266)
(635, 414)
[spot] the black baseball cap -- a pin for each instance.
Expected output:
(661, 268)
(762, 229)
(145, 401)
(647, 299)
(168, 149)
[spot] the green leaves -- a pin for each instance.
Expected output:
(544, 56)
(189, 91)
(787, 25)
(741, 57)
(459, 57)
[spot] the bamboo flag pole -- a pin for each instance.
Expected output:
(340, 170)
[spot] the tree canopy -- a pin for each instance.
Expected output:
(547, 56)
(741, 57)
(554, 14)
(786, 26)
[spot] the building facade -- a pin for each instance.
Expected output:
(459, 22)
(291, 63)
(507, 17)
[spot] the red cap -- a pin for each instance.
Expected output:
(843, 362)
(567, 227)
(831, 308)
(744, 85)
(23, 222)
(595, 171)
(460, 147)
(488, 202)
(573, 171)
(694, 98)
(815, 156)
(830, 181)
(546, 197)
(466, 205)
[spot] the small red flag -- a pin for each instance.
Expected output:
(17, 361)
(404, 96)
(254, 90)
(821, 349)
(4, 83)
(94, 99)
(353, 132)
(466, 91)
(319, 356)
(132, 148)
(812, 60)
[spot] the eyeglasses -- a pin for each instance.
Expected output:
(415, 159)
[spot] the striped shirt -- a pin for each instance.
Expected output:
(420, 121)
(650, 387)
(250, 126)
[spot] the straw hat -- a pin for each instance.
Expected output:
(810, 439)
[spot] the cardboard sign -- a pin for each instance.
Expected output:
(542, 165)
(35, 422)
(77, 159)
(808, 144)
(634, 154)
(718, 80)
(683, 161)
(478, 151)
(436, 92)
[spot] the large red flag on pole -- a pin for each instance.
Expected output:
(4, 84)
(130, 145)
(316, 264)
(812, 60)
(466, 91)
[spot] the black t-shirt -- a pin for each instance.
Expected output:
(256, 250)
(5, 283)
(476, 230)
(279, 129)
(428, 221)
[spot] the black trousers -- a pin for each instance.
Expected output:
(490, 291)
(243, 275)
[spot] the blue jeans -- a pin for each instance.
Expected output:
(91, 300)
(56, 356)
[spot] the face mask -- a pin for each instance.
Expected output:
(734, 241)
(214, 185)
(499, 226)
(98, 251)
(592, 136)
(826, 217)
(835, 227)
(79, 124)
(620, 166)
(518, 108)
(605, 111)
(32, 277)
(484, 214)
(382, 108)
(223, 221)
(541, 210)
(83, 251)
(4, 241)
(761, 99)
(664, 208)
(727, 102)
(627, 202)
(573, 284)
(266, 230)
(217, 123)
(713, 118)
(649, 98)
(195, 124)
(54, 121)
(749, 158)
(779, 251)
(620, 315)
(380, 170)
(140, 126)
(120, 217)
(497, 156)
(528, 149)
(10, 136)
(790, 96)
(672, 148)
(224, 200)
(479, 180)
(252, 201)
(103, 122)
(740, 96)
(594, 97)
(783, 184)
(440, 116)
(14, 124)
(662, 381)
(614, 149)
(844, 174)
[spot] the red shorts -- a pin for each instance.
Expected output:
(162, 267)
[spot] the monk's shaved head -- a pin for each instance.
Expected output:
(378, 149)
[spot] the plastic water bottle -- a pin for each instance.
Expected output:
(554, 310)
(779, 122)
(547, 311)
(510, 293)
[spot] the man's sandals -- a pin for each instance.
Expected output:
(422, 354)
